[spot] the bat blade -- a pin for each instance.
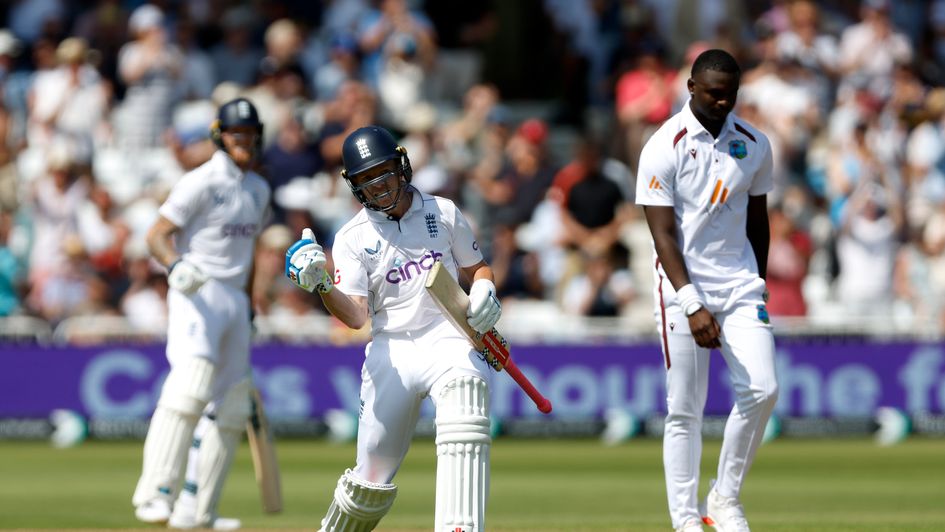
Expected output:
(263, 451)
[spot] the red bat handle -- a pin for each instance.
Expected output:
(543, 404)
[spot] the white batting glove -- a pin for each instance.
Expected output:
(305, 263)
(185, 277)
(484, 307)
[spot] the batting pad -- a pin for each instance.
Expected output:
(358, 505)
(218, 448)
(185, 394)
(462, 449)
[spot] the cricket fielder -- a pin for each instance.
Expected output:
(381, 257)
(205, 235)
(703, 180)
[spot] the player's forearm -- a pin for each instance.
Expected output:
(758, 232)
(759, 244)
(352, 311)
(662, 223)
(160, 240)
(671, 258)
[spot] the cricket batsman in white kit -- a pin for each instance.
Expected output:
(381, 258)
(703, 180)
(205, 235)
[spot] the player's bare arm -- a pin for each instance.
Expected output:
(758, 231)
(662, 222)
(161, 241)
(351, 310)
(478, 271)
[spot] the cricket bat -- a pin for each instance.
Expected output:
(453, 301)
(263, 451)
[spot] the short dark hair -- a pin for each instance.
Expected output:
(717, 60)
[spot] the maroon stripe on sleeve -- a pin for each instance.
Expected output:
(680, 135)
(741, 129)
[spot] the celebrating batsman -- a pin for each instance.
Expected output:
(205, 235)
(703, 180)
(381, 257)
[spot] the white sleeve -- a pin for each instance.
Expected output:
(656, 175)
(763, 182)
(350, 275)
(465, 247)
(185, 199)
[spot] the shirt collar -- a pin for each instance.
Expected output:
(694, 126)
(221, 158)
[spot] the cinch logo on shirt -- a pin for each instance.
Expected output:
(406, 272)
(242, 230)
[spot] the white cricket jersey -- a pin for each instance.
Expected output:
(707, 181)
(219, 210)
(387, 260)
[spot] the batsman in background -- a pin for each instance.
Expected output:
(206, 235)
(381, 258)
(703, 180)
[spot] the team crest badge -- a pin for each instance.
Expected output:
(763, 314)
(431, 225)
(737, 149)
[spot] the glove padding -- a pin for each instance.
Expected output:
(185, 277)
(305, 263)
(484, 307)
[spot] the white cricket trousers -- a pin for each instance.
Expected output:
(399, 371)
(748, 349)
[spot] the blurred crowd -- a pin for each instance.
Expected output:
(529, 114)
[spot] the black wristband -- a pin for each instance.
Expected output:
(173, 264)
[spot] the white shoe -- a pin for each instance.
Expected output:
(725, 514)
(692, 525)
(155, 511)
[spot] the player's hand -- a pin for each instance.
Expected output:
(484, 307)
(185, 277)
(305, 264)
(705, 329)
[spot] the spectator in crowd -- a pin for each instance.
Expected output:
(644, 99)
(354, 107)
(198, 77)
(603, 288)
(343, 64)
(71, 100)
(401, 81)
(873, 46)
(236, 58)
(924, 171)
(11, 270)
(55, 200)
(150, 67)
(105, 28)
(520, 186)
(292, 155)
(393, 20)
(867, 246)
(144, 302)
(789, 254)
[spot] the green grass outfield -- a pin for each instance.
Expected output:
(574, 485)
